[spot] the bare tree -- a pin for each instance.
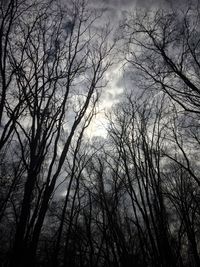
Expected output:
(162, 50)
(164, 47)
(56, 74)
(138, 133)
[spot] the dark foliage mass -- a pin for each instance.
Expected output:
(129, 199)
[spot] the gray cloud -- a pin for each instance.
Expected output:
(113, 9)
(124, 4)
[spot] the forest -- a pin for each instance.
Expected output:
(70, 197)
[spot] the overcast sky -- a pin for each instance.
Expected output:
(114, 10)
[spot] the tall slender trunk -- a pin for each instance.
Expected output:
(20, 246)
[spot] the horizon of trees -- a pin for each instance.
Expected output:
(131, 198)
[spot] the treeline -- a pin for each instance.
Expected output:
(130, 199)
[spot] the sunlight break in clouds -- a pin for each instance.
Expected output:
(110, 96)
